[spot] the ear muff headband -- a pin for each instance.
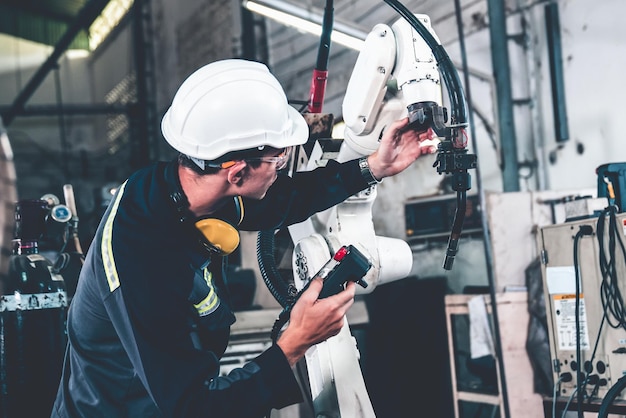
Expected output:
(220, 236)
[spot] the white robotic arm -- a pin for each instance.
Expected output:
(395, 75)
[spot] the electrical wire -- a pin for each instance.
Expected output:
(569, 401)
(611, 297)
(575, 393)
(610, 397)
(594, 391)
(593, 356)
(554, 393)
(582, 231)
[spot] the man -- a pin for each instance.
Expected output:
(150, 318)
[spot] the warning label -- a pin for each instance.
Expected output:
(565, 327)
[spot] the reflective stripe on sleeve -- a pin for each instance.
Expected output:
(106, 246)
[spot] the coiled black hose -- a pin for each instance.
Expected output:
(284, 293)
(278, 287)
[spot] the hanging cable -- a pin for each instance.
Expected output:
(610, 294)
(584, 230)
(320, 73)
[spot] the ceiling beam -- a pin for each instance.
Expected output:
(83, 20)
(72, 109)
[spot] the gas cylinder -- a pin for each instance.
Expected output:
(33, 312)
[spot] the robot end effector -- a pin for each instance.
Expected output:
(395, 75)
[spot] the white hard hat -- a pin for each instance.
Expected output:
(231, 105)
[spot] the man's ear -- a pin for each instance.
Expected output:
(237, 172)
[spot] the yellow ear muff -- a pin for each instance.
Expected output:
(220, 236)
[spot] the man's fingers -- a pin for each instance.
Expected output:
(347, 295)
(429, 146)
(400, 123)
(314, 289)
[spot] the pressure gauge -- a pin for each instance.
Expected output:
(61, 213)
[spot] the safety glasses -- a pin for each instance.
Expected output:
(281, 160)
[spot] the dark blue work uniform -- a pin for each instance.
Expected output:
(150, 317)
